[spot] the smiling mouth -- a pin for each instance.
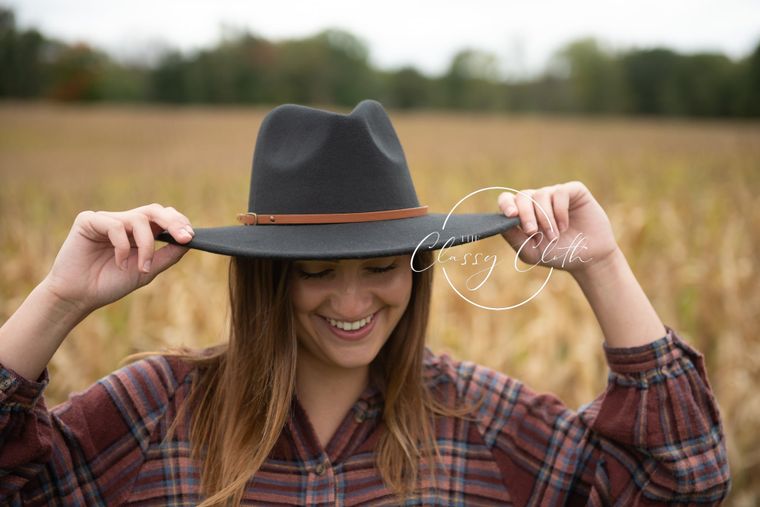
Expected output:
(350, 326)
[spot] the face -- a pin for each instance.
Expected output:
(345, 310)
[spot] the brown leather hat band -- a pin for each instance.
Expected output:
(329, 218)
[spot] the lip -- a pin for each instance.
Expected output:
(350, 335)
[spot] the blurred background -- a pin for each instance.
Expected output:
(112, 105)
(681, 59)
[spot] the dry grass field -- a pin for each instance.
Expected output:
(683, 198)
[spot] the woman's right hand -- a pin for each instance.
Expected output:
(98, 263)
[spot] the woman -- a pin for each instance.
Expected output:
(325, 393)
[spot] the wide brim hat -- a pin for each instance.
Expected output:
(326, 185)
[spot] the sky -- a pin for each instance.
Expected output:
(523, 35)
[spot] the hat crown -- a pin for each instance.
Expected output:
(309, 160)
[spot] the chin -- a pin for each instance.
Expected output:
(351, 355)
(344, 353)
(354, 359)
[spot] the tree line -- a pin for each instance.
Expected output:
(333, 67)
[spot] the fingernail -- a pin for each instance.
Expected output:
(511, 210)
(185, 233)
(530, 226)
(146, 266)
(190, 230)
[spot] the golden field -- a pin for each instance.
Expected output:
(683, 198)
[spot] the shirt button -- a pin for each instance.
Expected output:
(360, 416)
(5, 383)
(319, 469)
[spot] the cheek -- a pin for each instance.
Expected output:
(297, 296)
(303, 294)
(398, 289)
(304, 298)
(304, 302)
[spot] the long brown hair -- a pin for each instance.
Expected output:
(242, 390)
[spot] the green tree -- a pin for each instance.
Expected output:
(595, 77)
(76, 73)
(167, 81)
(407, 88)
(747, 100)
(472, 81)
(651, 76)
(706, 84)
(22, 66)
(329, 67)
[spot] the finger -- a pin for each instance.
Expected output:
(165, 257)
(506, 202)
(169, 219)
(514, 235)
(181, 217)
(98, 226)
(163, 219)
(139, 226)
(117, 235)
(526, 211)
(561, 204)
(545, 211)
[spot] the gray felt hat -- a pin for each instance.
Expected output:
(326, 185)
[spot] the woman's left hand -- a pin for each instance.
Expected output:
(575, 236)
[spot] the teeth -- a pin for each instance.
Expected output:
(350, 326)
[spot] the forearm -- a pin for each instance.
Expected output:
(624, 312)
(30, 337)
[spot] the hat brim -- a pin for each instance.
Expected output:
(347, 240)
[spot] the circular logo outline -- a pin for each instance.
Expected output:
(446, 275)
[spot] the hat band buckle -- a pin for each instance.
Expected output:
(251, 218)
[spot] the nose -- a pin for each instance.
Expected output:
(351, 299)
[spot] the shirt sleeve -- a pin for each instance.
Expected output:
(87, 450)
(653, 436)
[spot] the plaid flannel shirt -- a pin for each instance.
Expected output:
(653, 436)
